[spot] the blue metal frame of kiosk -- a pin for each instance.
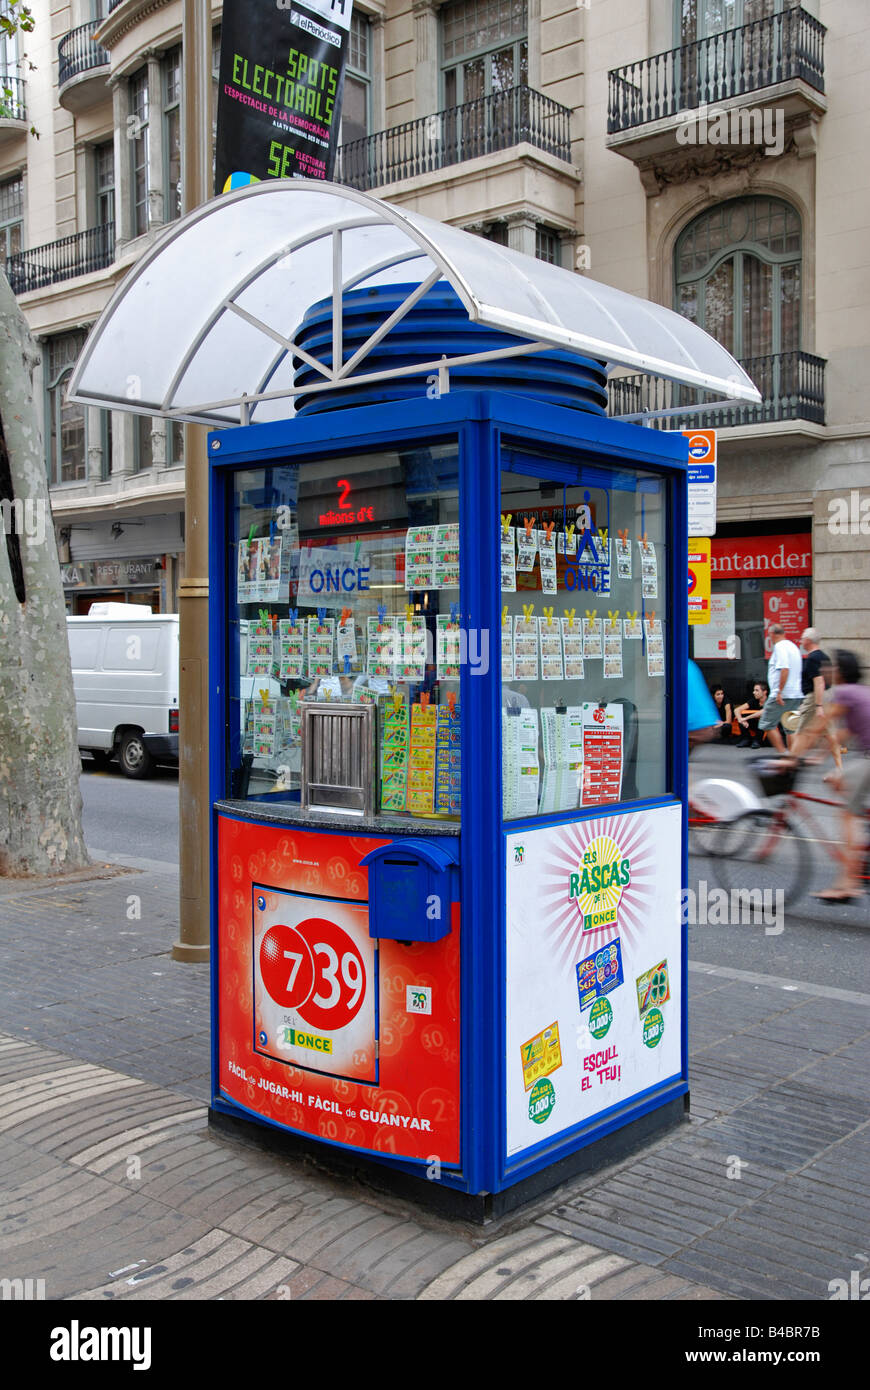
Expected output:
(446, 938)
(489, 1068)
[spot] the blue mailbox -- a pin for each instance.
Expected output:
(412, 886)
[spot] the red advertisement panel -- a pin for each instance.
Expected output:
(322, 1028)
(789, 608)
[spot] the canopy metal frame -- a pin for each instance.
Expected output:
(428, 251)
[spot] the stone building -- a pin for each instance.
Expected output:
(707, 154)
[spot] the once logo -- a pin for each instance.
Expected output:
(699, 446)
(599, 882)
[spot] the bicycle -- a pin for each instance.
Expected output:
(781, 835)
(716, 807)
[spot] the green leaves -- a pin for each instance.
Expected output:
(16, 18)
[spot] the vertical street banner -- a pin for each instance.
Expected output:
(280, 90)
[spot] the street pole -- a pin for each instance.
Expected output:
(194, 808)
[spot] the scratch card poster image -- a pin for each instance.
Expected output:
(315, 984)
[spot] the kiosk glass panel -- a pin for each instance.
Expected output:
(344, 589)
(584, 572)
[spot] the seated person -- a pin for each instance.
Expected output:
(748, 715)
(723, 708)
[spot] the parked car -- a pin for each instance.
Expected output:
(125, 674)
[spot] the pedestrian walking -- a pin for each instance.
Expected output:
(784, 680)
(848, 701)
(814, 680)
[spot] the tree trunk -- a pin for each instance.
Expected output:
(40, 766)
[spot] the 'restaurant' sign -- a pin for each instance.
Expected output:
(279, 95)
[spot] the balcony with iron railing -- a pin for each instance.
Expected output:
(82, 68)
(792, 386)
(778, 60)
(79, 254)
(486, 126)
(13, 111)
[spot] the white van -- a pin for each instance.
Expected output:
(125, 675)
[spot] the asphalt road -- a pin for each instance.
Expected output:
(818, 943)
(135, 819)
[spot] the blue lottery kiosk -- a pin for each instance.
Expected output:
(448, 622)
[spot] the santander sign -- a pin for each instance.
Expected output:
(758, 556)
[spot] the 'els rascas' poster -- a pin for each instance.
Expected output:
(279, 97)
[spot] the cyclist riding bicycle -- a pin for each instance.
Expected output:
(848, 703)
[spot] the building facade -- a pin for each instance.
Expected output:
(707, 154)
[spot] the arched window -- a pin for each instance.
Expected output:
(737, 274)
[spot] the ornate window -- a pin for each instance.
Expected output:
(737, 273)
(138, 136)
(356, 105)
(700, 19)
(484, 48)
(548, 246)
(66, 425)
(104, 181)
(172, 134)
(11, 217)
(143, 443)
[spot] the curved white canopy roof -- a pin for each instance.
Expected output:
(202, 328)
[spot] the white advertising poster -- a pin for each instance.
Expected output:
(594, 981)
(718, 639)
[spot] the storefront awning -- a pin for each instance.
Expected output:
(203, 326)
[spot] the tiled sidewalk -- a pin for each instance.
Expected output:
(113, 1187)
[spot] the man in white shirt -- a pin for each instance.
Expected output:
(784, 679)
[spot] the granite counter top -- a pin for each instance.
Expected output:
(290, 813)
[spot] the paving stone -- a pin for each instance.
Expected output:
(116, 1045)
(211, 1267)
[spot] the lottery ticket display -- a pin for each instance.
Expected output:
(612, 647)
(572, 645)
(525, 649)
(421, 760)
(260, 649)
(562, 744)
(655, 647)
(432, 557)
(579, 632)
(394, 755)
(552, 665)
(602, 754)
(448, 760)
(648, 569)
(291, 643)
(448, 649)
(264, 567)
(321, 646)
(520, 763)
